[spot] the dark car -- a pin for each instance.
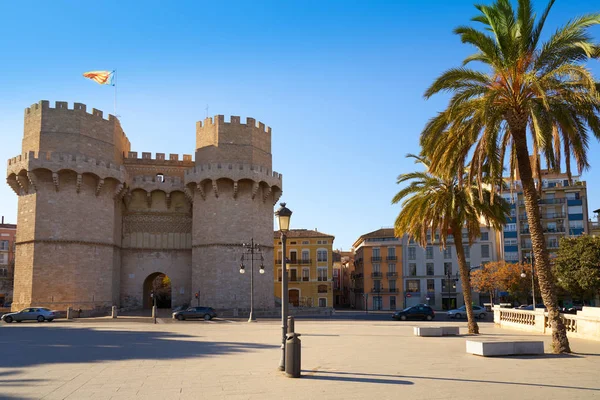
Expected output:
(421, 311)
(195, 312)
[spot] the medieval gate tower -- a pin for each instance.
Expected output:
(97, 223)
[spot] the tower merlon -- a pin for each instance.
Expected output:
(233, 120)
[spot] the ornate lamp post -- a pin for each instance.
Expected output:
(252, 248)
(283, 218)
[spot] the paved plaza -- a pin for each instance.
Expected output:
(341, 359)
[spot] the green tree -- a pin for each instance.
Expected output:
(445, 204)
(528, 95)
(577, 265)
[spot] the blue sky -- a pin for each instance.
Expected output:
(339, 82)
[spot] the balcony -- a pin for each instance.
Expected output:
(375, 259)
(552, 201)
(376, 274)
(391, 258)
(305, 262)
(552, 215)
(558, 229)
(392, 274)
(378, 290)
(393, 290)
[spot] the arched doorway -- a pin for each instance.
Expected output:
(294, 297)
(159, 284)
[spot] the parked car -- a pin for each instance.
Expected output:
(195, 312)
(460, 312)
(530, 307)
(39, 314)
(421, 311)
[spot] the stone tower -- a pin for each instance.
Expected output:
(234, 190)
(97, 224)
(68, 176)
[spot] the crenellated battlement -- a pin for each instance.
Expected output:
(56, 162)
(249, 169)
(63, 105)
(234, 120)
(167, 180)
(73, 130)
(159, 159)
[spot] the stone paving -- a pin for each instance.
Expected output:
(341, 359)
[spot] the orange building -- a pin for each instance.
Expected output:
(377, 277)
(7, 260)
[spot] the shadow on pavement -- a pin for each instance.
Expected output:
(356, 379)
(309, 374)
(22, 346)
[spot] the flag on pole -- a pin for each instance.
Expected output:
(101, 77)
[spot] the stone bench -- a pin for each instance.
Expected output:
(429, 331)
(504, 348)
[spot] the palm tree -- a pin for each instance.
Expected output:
(444, 203)
(533, 91)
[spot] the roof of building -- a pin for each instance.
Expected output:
(8, 226)
(302, 233)
(383, 232)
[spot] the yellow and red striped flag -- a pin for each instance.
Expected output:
(101, 77)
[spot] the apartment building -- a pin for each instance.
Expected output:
(7, 260)
(377, 279)
(563, 210)
(343, 267)
(594, 226)
(310, 267)
(431, 275)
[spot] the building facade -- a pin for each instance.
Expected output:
(310, 268)
(7, 261)
(97, 224)
(563, 211)
(431, 274)
(594, 226)
(377, 277)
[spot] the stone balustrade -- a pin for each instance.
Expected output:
(585, 324)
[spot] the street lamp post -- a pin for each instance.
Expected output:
(283, 218)
(449, 279)
(252, 248)
(524, 275)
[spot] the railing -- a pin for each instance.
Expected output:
(378, 290)
(305, 261)
(517, 317)
(392, 274)
(552, 215)
(585, 324)
(375, 258)
(393, 290)
(376, 275)
(391, 258)
(552, 201)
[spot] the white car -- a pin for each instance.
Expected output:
(461, 312)
(39, 314)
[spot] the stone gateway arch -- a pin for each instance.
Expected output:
(96, 219)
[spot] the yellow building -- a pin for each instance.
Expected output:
(309, 265)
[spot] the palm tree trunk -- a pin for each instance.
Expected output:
(560, 342)
(465, 279)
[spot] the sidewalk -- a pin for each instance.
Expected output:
(341, 359)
